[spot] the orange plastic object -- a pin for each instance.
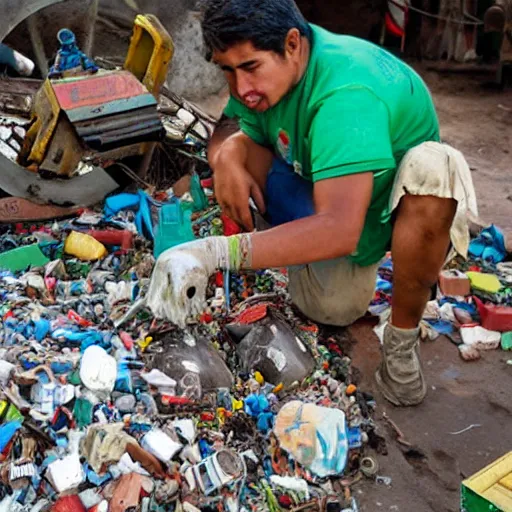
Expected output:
(494, 318)
(68, 504)
(351, 389)
(454, 283)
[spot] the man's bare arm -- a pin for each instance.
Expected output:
(226, 127)
(333, 231)
(240, 168)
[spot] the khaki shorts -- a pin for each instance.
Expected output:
(338, 292)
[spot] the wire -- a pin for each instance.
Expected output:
(134, 176)
(477, 22)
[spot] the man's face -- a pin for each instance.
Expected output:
(258, 78)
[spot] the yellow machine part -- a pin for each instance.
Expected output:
(44, 122)
(150, 52)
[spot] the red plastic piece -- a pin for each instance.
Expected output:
(207, 416)
(50, 283)
(230, 226)
(219, 279)
(176, 400)
(206, 318)
(75, 317)
(252, 314)
(123, 238)
(127, 340)
(494, 318)
(207, 183)
(69, 504)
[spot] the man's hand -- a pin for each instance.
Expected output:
(178, 285)
(240, 169)
(233, 188)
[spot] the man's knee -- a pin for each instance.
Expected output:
(337, 295)
(430, 215)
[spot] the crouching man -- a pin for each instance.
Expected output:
(338, 145)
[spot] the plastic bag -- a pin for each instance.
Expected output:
(98, 370)
(314, 436)
(84, 247)
(7, 432)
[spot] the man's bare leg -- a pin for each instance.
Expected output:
(421, 237)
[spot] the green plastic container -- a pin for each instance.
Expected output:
(22, 258)
(197, 193)
(506, 341)
(174, 227)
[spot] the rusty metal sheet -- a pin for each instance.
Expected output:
(16, 209)
(97, 90)
(110, 108)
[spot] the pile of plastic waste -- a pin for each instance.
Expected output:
(473, 302)
(104, 408)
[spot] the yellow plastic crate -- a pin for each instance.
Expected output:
(490, 490)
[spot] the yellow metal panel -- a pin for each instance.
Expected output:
(490, 475)
(151, 50)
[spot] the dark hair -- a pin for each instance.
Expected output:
(265, 23)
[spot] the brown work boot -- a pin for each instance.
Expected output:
(494, 19)
(399, 376)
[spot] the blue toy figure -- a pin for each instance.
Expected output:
(69, 57)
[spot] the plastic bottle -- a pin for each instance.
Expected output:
(124, 378)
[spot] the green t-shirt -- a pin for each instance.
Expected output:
(356, 109)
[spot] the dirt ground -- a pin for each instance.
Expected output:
(478, 121)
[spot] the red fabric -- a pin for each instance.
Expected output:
(392, 27)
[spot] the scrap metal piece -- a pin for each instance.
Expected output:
(271, 347)
(80, 191)
(16, 209)
(13, 12)
(178, 356)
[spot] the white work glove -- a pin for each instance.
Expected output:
(178, 285)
